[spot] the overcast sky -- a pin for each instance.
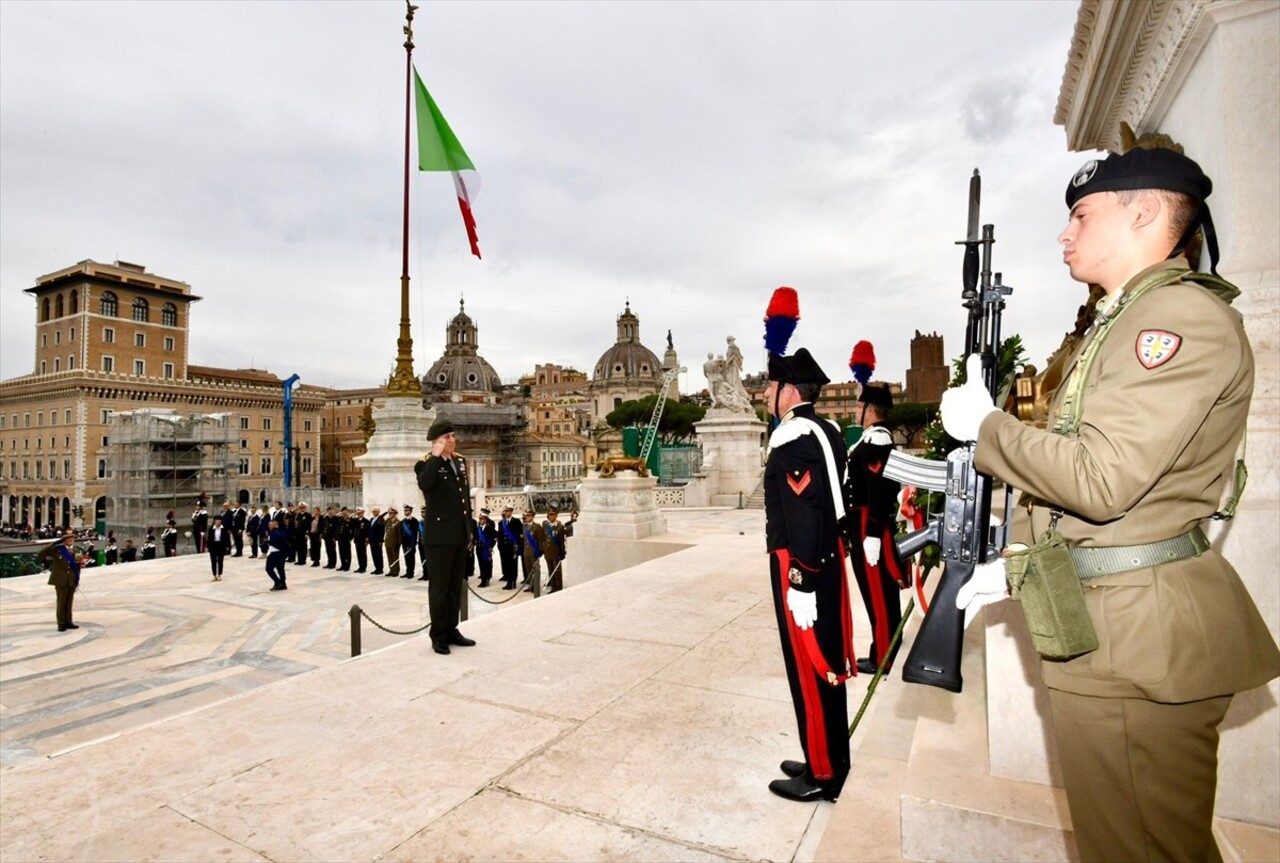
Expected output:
(689, 156)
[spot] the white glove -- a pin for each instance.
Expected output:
(986, 586)
(804, 608)
(871, 550)
(966, 406)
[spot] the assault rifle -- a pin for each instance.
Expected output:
(963, 532)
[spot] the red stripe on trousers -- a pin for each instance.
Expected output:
(814, 722)
(876, 588)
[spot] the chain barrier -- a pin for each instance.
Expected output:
(366, 616)
(514, 593)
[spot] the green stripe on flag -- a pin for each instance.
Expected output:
(438, 147)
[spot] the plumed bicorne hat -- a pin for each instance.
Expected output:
(780, 321)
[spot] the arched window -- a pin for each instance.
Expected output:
(57, 307)
(109, 305)
(169, 315)
(44, 309)
(75, 302)
(141, 311)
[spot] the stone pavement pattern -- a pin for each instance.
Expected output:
(637, 716)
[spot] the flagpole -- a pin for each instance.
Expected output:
(403, 382)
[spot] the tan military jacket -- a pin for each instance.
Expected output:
(1164, 409)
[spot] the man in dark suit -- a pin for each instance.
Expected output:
(239, 520)
(64, 575)
(345, 533)
(510, 535)
(360, 538)
(377, 536)
(253, 525)
(329, 533)
(301, 532)
(442, 476)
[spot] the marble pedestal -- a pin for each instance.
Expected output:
(399, 440)
(622, 506)
(732, 444)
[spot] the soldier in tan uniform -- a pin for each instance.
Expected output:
(1142, 442)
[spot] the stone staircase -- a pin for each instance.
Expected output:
(756, 499)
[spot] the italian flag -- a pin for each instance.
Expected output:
(439, 150)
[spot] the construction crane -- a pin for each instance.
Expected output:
(651, 431)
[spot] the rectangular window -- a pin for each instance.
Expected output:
(168, 371)
(1, 421)
(139, 367)
(53, 469)
(306, 425)
(106, 415)
(67, 420)
(39, 472)
(108, 334)
(266, 423)
(66, 468)
(44, 340)
(26, 420)
(26, 470)
(244, 422)
(306, 465)
(266, 465)
(139, 340)
(66, 442)
(306, 444)
(102, 468)
(108, 364)
(42, 367)
(168, 343)
(244, 466)
(72, 336)
(39, 419)
(266, 444)
(244, 443)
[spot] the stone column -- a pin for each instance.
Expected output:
(398, 442)
(731, 455)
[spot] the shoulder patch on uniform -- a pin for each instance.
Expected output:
(1156, 347)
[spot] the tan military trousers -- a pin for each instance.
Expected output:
(1140, 776)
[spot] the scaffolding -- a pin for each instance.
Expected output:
(160, 461)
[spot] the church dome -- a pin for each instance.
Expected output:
(461, 374)
(628, 359)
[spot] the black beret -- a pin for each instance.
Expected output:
(799, 368)
(1140, 168)
(877, 396)
(440, 427)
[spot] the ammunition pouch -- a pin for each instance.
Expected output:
(1043, 580)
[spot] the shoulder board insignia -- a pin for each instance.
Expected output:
(1156, 347)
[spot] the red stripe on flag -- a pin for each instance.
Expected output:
(470, 221)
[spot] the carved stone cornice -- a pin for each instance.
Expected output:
(1126, 61)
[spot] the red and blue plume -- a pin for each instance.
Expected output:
(780, 320)
(862, 362)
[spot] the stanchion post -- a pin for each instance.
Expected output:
(355, 630)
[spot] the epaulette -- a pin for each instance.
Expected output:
(791, 430)
(877, 436)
